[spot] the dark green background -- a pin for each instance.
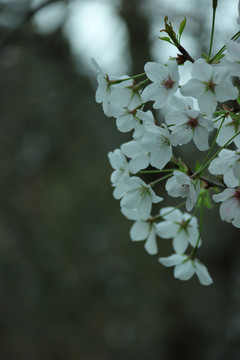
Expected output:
(72, 284)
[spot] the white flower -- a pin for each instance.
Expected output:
(125, 102)
(187, 125)
(165, 82)
(144, 120)
(229, 128)
(182, 185)
(230, 207)
(139, 157)
(157, 142)
(120, 175)
(105, 87)
(139, 196)
(209, 84)
(182, 227)
(142, 230)
(185, 268)
(227, 164)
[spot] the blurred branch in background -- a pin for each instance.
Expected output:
(72, 285)
(24, 17)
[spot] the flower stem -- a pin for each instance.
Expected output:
(213, 25)
(170, 211)
(213, 157)
(193, 253)
(214, 140)
(155, 171)
(234, 37)
(153, 183)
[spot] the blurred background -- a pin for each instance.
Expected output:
(72, 284)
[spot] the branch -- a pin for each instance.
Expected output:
(30, 13)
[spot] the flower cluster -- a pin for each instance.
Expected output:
(151, 150)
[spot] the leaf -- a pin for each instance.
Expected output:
(182, 26)
(198, 165)
(165, 39)
(206, 57)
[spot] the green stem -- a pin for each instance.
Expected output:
(170, 211)
(234, 37)
(155, 171)
(158, 180)
(193, 253)
(112, 82)
(215, 155)
(214, 140)
(213, 26)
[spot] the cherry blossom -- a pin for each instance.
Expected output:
(182, 185)
(165, 82)
(182, 227)
(185, 268)
(157, 141)
(140, 196)
(139, 157)
(208, 85)
(188, 125)
(230, 207)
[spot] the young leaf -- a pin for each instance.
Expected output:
(182, 26)
(165, 39)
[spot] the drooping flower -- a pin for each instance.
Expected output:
(139, 157)
(140, 196)
(208, 85)
(182, 185)
(230, 207)
(165, 82)
(182, 227)
(185, 268)
(106, 85)
(120, 175)
(142, 230)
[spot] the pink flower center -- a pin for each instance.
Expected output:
(168, 83)
(237, 196)
(193, 122)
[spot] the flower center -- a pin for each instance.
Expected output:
(210, 86)
(237, 197)
(161, 141)
(184, 189)
(168, 83)
(192, 122)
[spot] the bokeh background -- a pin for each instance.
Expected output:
(72, 284)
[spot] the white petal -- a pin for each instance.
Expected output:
(151, 243)
(139, 230)
(202, 273)
(184, 271)
(155, 72)
(180, 242)
(144, 208)
(193, 88)
(167, 229)
(201, 70)
(172, 260)
(207, 103)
